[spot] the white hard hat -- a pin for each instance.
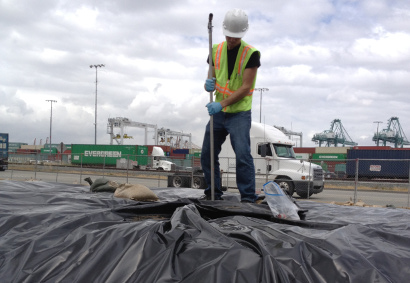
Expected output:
(235, 23)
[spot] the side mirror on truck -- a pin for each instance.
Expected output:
(262, 149)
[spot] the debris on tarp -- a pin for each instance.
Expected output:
(359, 203)
(52, 232)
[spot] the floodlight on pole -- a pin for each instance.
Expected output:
(96, 81)
(260, 107)
(51, 119)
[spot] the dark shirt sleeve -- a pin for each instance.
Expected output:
(254, 61)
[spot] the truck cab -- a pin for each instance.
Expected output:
(275, 160)
(159, 161)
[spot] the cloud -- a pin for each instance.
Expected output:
(321, 60)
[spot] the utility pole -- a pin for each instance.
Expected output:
(377, 133)
(260, 107)
(96, 81)
(51, 120)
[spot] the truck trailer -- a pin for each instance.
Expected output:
(274, 160)
(378, 164)
(4, 151)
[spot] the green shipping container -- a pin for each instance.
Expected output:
(142, 155)
(101, 154)
(329, 156)
(53, 150)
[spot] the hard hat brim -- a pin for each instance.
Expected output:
(234, 34)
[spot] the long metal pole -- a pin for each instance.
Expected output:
(260, 105)
(95, 116)
(211, 98)
(51, 121)
(96, 82)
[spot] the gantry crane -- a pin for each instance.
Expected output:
(162, 136)
(121, 122)
(393, 134)
(289, 133)
(336, 135)
(173, 138)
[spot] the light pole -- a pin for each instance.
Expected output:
(96, 81)
(51, 120)
(260, 110)
(377, 133)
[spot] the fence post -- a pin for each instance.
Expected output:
(310, 167)
(128, 162)
(35, 167)
(104, 167)
(356, 179)
(81, 167)
(408, 191)
(267, 170)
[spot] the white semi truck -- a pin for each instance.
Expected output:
(159, 161)
(274, 160)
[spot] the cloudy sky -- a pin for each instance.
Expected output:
(321, 60)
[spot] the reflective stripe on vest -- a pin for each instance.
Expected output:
(218, 56)
(242, 60)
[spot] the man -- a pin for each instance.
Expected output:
(235, 64)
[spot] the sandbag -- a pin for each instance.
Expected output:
(103, 185)
(135, 192)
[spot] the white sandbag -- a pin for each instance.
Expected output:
(135, 192)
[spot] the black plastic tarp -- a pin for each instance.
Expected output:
(51, 232)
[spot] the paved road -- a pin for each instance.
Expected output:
(398, 199)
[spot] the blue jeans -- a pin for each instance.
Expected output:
(238, 126)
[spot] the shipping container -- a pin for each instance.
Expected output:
(142, 155)
(194, 150)
(4, 151)
(27, 151)
(13, 146)
(178, 151)
(101, 154)
(47, 150)
(340, 150)
(32, 147)
(329, 156)
(165, 148)
(378, 163)
(303, 156)
(309, 150)
(372, 147)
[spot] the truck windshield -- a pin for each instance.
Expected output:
(284, 150)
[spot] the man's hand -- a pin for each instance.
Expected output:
(210, 84)
(214, 107)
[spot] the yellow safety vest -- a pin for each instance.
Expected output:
(226, 86)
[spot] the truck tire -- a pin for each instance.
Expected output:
(286, 185)
(199, 183)
(179, 181)
(304, 194)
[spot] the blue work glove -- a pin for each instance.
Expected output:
(214, 107)
(210, 84)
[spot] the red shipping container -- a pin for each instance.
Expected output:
(309, 150)
(372, 147)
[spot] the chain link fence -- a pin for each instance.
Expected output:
(369, 181)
